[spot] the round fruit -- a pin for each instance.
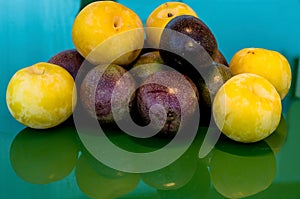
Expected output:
(197, 187)
(240, 170)
(187, 45)
(44, 156)
(175, 175)
(97, 88)
(247, 108)
(70, 60)
(106, 32)
(149, 57)
(220, 58)
(146, 65)
(41, 96)
(267, 63)
(176, 93)
(96, 185)
(160, 16)
(214, 78)
(196, 29)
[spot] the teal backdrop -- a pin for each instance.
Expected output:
(33, 31)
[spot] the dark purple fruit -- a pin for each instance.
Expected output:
(71, 60)
(97, 88)
(219, 58)
(187, 44)
(196, 29)
(208, 87)
(168, 89)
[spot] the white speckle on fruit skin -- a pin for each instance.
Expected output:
(247, 108)
(41, 100)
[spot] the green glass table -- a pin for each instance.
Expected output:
(54, 163)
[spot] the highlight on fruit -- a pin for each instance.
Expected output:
(159, 74)
(167, 80)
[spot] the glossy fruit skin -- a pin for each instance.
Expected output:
(41, 96)
(179, 100)
(187, 44)
(247, 108)
(264, 62)
(70, 60)
(106, 31)
(220, 58)
(209, 85)
(160, 16)
(196, 29)
(97, 88)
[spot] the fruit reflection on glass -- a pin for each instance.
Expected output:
(175, 175)
(44, 156)
(41, 96)
(267, 63)
(160, 16)
(277, 139)
(96, 33)
(100, 168)
(97, 184)
(247, 108)
(240, 170)
(197, 187)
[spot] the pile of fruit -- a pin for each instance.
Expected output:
(158, 73)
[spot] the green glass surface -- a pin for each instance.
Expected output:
(54, 164)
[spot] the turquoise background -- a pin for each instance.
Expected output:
(34, 30)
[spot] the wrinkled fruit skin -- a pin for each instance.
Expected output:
(150, 94)
(97, 88)
(70, 60)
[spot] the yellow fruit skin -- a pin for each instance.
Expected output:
(267, 63)
(41, 96)
(107, 20)
(160, 16)
(247, 108)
